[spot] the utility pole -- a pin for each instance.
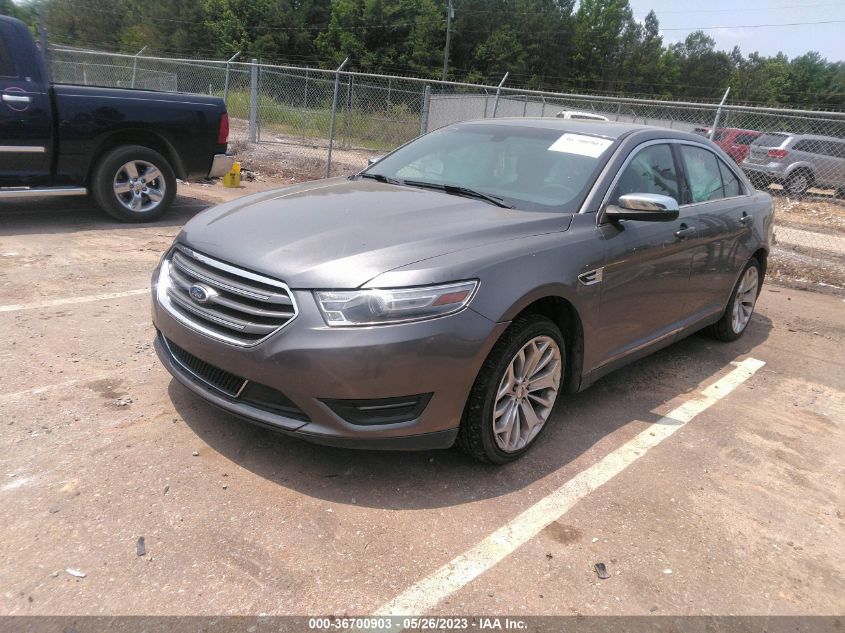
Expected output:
(450, 13)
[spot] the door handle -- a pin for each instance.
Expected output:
(746, 219)
(16, 98)
(684, 232)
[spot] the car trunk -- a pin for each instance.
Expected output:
(759, 151)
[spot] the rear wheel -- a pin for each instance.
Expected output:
(798, 183)
(737, 315)
(515, 391)
(134, 184)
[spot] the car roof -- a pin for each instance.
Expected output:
(811, 137)
(608, 129)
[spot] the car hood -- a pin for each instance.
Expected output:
(340, 233)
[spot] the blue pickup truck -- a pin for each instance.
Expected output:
(124, 147)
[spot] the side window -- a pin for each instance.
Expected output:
(745, 139)
(838, 150)
(811, 146)
(7, 64)
(651, 171)
(729, 181)
(703, 173)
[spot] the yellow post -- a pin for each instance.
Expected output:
(233, 178)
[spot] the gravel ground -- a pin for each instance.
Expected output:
(744, 505)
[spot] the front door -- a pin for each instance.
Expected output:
(646, 271)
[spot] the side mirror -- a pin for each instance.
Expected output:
(372, 160)
(644, 206)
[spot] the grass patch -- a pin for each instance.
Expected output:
(378, 129)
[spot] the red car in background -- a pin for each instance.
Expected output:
(734, 141)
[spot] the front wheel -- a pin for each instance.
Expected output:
(134, 184)
(737, 315)
(515, 391)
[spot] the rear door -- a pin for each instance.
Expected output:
(718, 206)
(647, 266)
(26, 127)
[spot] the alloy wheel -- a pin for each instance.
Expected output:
(139, 186)
(526, 394)
(746, 296)
(798, 184)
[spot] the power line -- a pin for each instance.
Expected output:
(750, 26)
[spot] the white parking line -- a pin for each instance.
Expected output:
(423, 596)
(34, 391)
(49, 303)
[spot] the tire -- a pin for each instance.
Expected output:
(476, 435)
(760, 182)
(116, 188)
(733, 324)
(798, 182)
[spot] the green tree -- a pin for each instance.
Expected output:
(600, 26)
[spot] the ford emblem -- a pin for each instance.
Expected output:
(200, 293)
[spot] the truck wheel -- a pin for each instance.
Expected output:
(134, 184)
(515, 391)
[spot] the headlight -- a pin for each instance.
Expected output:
(162, 283)
(396, 305)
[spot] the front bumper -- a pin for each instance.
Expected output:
(311, 363)
(221, 165)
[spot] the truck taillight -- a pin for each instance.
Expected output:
(223, 131)
(778, 153)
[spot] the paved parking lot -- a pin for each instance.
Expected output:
(708, 478)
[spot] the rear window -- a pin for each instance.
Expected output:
(771, 140)
(745, 139)
(811, 146)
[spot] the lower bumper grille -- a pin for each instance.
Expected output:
(222, 380)
(236, 388)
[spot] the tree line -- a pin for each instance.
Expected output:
(598, 47)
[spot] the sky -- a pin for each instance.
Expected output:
(681, 17)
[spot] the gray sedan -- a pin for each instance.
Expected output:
(455, 290)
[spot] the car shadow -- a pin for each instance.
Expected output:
(431, 479)
(80, 213)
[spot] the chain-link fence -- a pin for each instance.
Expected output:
(308, 123)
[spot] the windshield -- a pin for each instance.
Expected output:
(527, 168)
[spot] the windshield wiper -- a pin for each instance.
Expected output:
(380, 178)
(456, 190)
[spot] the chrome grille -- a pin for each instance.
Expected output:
(224, 301)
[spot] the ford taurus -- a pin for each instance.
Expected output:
(456, 289)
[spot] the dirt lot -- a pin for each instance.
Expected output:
(739, 511)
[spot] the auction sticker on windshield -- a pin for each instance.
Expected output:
(581, 144)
